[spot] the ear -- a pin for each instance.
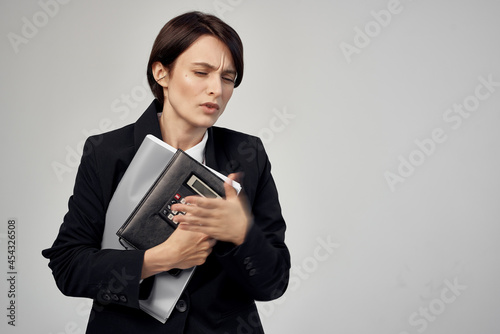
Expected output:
(160, 74)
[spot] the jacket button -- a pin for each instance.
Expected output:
(123, 298)
(181, 305)
(106, 297)
(252, 272)
(246, 260)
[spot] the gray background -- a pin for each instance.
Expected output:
(394, 250)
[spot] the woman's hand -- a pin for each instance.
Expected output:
(222, 219)
(183, 249)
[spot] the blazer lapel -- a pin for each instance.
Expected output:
(216, 155)
(147, 124)
(210, 158)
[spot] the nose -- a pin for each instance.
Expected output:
(214, 86)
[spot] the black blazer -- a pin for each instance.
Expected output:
(220, 297)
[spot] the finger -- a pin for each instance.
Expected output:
(209, 243)
(188, 219)
(228, 186)
(207, 252)
(201, 202)
(193, 226)
(187, 227)
(192, 199)
(205, 237)
(212, 242)
(205, 211)
(185, 208)
(190, 202)
(236, 176)
(196, 215)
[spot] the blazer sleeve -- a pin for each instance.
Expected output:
(262, 263)
(79, 266)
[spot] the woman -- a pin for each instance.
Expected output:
(237, 242)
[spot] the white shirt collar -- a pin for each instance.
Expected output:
(197, 152)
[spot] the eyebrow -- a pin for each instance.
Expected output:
(213, 68)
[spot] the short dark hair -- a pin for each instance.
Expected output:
(182, 31)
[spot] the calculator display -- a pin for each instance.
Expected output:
(201, 188)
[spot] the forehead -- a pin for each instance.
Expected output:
(210, 50)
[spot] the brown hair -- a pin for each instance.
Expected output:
(182, 31)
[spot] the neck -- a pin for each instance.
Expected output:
(178, 135)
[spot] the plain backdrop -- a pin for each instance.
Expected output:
(380, 119)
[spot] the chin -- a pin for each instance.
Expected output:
(208, 122)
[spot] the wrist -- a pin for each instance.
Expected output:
(239, 240)
(154, 263)
(241, 237)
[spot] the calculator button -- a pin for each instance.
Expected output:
(183, 200)
(177, 196)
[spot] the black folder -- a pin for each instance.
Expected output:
(151, 222)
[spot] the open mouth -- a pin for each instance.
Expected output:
(210, 107)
